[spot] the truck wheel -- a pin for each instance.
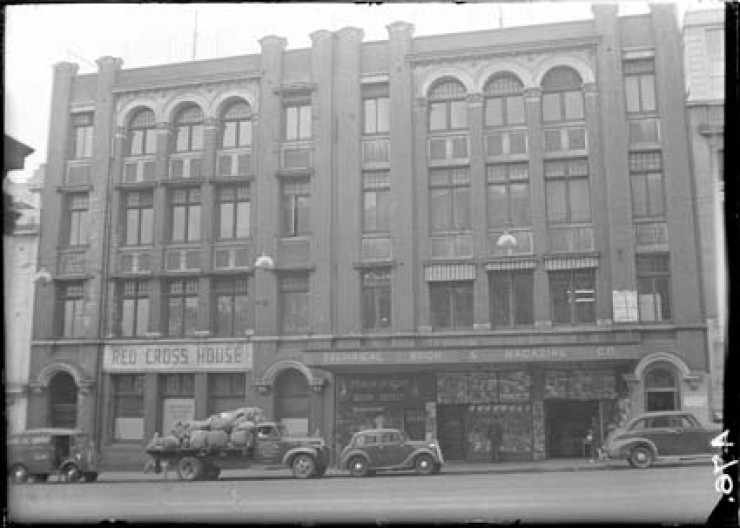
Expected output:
(358, 467)
(70, 473)
(303, 466)
(19, 474)
(189, 468)
(424, 465)
(641, 457)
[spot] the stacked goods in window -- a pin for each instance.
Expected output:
(514, 386)
(556, 384)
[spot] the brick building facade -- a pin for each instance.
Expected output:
(427, 232)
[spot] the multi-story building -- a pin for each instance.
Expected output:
(427, 232)
(704, 57)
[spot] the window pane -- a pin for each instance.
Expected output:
(241, 314)
(519, 204)
(303, 215)
(551, 107)
(461, 197)
(500, 299)
(556, 201)
(227, 217)
(370, 216)
(295, 312)
(305, 122)
(497, 204)
(663, 292)
(515, 110)
(437, 116)
(384, 119)
(128, 313)
(174, 312)
(655, 193)
(574, 105)
(229, 137)
(242, 219)
(441, 209)
(245, 134)
(384, 211)
(291, 123)
(458, 114)
(632, 93)
(559, 295)
(523, 298)
(147, 226)
(181, 138)
(584, 296)
(580, 200)
(191, 315)
(194, 223)
(384, 306)
(197, 131)
(368, 308)
(371, 108)
(142, 317)
(494, 112)
(647, 89)
(440, 304)
(132, 227)
(639, 197)
(463, 305)
(223, 315)
(136, 142)
(151, 142)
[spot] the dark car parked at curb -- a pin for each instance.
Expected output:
(37, 453)
(390, 450)
(656, 436)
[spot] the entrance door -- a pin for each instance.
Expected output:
(566, 425)
(63, 401)
(291, 402)
(451, 431)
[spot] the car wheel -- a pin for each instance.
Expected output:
(90, 477)
(641, 457)
(303, 466)
(424, 465)
(358, 467)
(19, 474)
(70, 473)
(189, 468)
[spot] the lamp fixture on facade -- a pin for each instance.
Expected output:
(264, 262)
(506, 241)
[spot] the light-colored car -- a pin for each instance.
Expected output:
(667, 435)
(390, 450)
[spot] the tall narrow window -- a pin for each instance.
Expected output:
(448, 109)
(376, 109)
(573, 296)
(81, 138)
(376, 300)
(508, 195)
(562, 97)
(654, 287)
(449, 191)
(186, 210)
(78, 219)
(142, 138)
(504, 101)
(234, 208)
(294, 299)
(187, 134)
(661, 391)
(646, 178)
(133, 308)
(139, 218)
(512, 298)
(232, 307)
(568, 193)
(182, 307)
(237, 126)
(297, 121)
(128, 406)
(296, 208)
(639, 86)
(71, 309)
(451, 304)
(376, 200)
(226, 391)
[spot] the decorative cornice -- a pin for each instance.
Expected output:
(249, 77)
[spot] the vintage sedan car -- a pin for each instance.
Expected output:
(37, 453)
(667, 435)
(390, 450)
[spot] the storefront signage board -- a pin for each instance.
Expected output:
(491, 355)
(178, 357)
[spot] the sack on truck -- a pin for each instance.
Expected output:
(216, 439)
(221, 424)
(241, 437)
(198, 438)
(170, 441)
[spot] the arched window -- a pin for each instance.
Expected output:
(188, 130)
(447, 107)
(236, 126)
(661, 390)
(562, 97)
(141, 136)
(504, 101)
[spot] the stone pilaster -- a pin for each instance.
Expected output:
(481, 316)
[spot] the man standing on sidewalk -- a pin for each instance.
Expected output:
(495, 437)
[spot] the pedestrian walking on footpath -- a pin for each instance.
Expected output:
(589, 450)
(495, 437)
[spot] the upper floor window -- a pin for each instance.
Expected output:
(573, 296)
(188, 130)
(133, 308)
(294, 302)
(568, 191)
(512, 298)
(376, 299)
(234, 210)
(376, 109)
(376, 202)
(186, 210)
(508, 194)
(451, 304)
(81, 143)
(77, 218)
(562, 96)
(142, 137)
(182, 307)
(646, 179)
(654, 287)
(296, 197)
(237, 126)
(504, 101)
(448, 109)
(71, 309)
(297, 121)
(716, 50)
(139, 218)
(639, 85)
(449, 192)
(232, 307)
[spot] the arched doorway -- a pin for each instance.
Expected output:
(291, 401)
(63, 401)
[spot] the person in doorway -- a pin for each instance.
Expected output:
(495, 437)
(589, 450)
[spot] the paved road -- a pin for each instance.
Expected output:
(675, 494)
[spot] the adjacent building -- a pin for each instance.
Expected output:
(433, 233)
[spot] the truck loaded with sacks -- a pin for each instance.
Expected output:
(238, 439)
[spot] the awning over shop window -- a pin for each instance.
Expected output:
(518, 264)
(569, 263)
(449, 272)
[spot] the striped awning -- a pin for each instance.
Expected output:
(449, 272)
(568, 263)
(510, 264)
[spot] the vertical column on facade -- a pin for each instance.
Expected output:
(322, 210)
(481, 318)
(152, 405)
(532, 97)
(201, 395)
(404, 200)
(538, 412)
(266, 203)
(116, 226)
(608, 140)
(210, 140)
(679, 192)
(347, 189)
(598, 207)
(161, 211)
(421, 219)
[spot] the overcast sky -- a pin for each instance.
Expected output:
(37, 36)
